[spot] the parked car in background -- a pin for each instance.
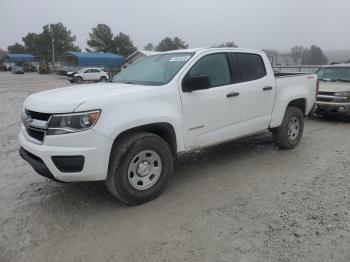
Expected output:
(334, 95)
(88, 74)
(129, 131)
(17, 70)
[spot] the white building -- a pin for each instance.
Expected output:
(284, 60)
(137, 55)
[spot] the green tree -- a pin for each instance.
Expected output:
(62, 37)
(40, 44)
(314, 56)
(101, 39)
(168, 44)
(123, 45)
(228, 44)
(17, 48)
(34, 44)
(297, 51)
(149, 47)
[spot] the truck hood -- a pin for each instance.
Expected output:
(67, 99)
(334, 86)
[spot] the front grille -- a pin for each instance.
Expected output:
(331, 97)
(323, 99)
(37, 115)
(38, 134)
(327, 93)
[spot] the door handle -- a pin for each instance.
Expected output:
(267, 88)
(232, 94)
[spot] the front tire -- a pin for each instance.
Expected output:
(288, 135)
(140, 165)
(103, 79)
(78, 80)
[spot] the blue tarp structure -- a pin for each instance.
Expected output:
(91, 59)
(14, 58)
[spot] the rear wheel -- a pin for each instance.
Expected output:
(288, 135)
(139, 168)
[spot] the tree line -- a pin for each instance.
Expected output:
(101, 39)
(56, 39)
(307, 56)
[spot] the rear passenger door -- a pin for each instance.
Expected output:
(95, 74)
(257, 91)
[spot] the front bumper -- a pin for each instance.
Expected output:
(37, 163)
(332, 108)
(92, 146)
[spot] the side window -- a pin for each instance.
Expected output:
(95, 71)
(251, 66)
(87, 71)
(216, 67)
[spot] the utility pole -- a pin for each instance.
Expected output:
(53, 46)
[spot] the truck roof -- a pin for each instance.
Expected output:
(203, 49)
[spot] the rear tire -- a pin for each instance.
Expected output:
(288, 135)
(139, 168)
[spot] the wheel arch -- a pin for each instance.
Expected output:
(282, 106)
(300, 103)
(162, 129)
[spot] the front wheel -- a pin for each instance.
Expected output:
(140, 165)
(288, 135)
(103, 79)
(78, 80)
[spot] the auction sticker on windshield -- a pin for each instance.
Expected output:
(179, 58)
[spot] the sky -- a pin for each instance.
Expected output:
(256, 24)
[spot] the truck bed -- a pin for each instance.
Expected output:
(279, 75)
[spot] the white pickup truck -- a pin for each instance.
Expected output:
(127, 132)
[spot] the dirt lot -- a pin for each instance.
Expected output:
(242, 201)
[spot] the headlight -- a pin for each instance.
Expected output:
(71, 123)
(343, 94)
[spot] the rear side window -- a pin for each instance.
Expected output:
(251, 66)
(216, 67)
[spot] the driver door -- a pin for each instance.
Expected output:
(211, 115)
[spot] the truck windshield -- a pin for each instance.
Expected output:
(153, 70)
(333, 74)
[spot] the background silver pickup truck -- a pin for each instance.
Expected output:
(334, 95)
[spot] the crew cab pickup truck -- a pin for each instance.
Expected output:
(334, 96)
(88, 74)
(128, 131)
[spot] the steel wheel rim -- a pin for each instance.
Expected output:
(293, 128)
(144, 170)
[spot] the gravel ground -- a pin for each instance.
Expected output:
(242, 201)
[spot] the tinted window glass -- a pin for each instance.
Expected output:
(95, 71)
(251, 66)
(88, 71)
(216, 67)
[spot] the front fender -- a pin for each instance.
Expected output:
(114, 122)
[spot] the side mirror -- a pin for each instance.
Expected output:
(193, 83)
